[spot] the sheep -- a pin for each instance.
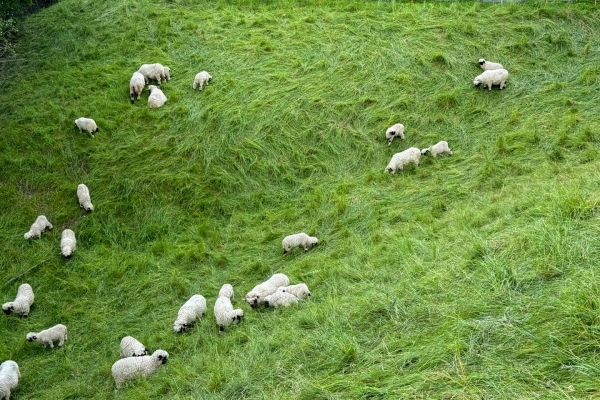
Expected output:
(136, 85)
(157, 98)
(257, 295)
(300, 290)
(201, 79)
(47, 336)
(402, 159)
(488, 65)
(88, 125)
(130, 368)
(393, 132)
(155, 71)
(227, 291)
(21, 304)
(225, 314)
(280, 298)
(9, 378)
(439, 148)
(131, 347)
(40, 226)
(83, 194)
(298, 240)
(193, 309)
(68, 243)
(492, 77)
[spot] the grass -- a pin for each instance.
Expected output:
(472, 276)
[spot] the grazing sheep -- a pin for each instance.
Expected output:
(83, 194)
(131, 347)
(201, 79)
(280, 298)
(136, 85)
(193, 309)
(225, 314)
(21, 304)
(57, 332)
(437, 149)
(298, 240)
(227, 291)
(87, 124)
(488, 65)
(300, 290)
(155, 71)
(257, 295)
(9, 378)
(402, 159)
(492, 77)
(157, 98)
(393, 132)
(40, 226)
(130, 368)
(68, 243)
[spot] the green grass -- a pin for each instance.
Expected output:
(472, 276)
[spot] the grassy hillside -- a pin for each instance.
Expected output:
(471, 276)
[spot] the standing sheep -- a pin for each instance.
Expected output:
(492, 77)
(300, 290)
(257, 295)
(40, 226)
(136, 85)
(131, 347)
(488, 65)
(68, 243)
(440, 148)
(157, 98)
(201, 79)
(130, 368)
(9, 378)
(155, 71)
(47, 336)
(280, 298)
(225, 314)
(192, 310)
(83, 194)
(22, 303)
(402, 159)
(298, 240)
(87, 124)
(393, 132)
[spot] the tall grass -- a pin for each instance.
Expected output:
(471, 276)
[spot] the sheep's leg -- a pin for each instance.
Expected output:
(51, 344)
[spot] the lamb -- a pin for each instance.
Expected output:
(402, 159)
(85, 202)
(298, 240)
(393, 132)
(136, 85)
(50, 335)
(225, 314)
(68, 243)
(88, 125)
(130, 368)
(131, 347)
(439, 148)
(300, 290)
(193, 309)
(40, 226)
(9, 378)
(157, 98)
(257, 295)
(488, 65)
(21, 303)
(492, 77)
(201, 79)
(155, 71)
(280, 298)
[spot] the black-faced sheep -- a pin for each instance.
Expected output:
(40, 226)
(68, 243)
(440, 148)
(201, 79)
(492, 77)
(394, 131)
(88, 125)
(22, 303)
(257, 295)
(9, 378)
(50, 335)
(85, 201)
(130, 368)
(189, 312)
(402, 159)
(298, 240)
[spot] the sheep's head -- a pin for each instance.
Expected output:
(252, 299)
(161, 355)
(426, 151)
(27, 235)
(167, 73)
(31, 337)
(477, 81)
(66, 252)
(8, 308)
(481, 61)
(180, 328)
(238, 315)
(313, 241)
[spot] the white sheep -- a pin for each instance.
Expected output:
(257, 295)
(298, 240)
(393, 132)
(68, 243)
(9, 378)
(225, 314)
(402, 159)
(191, 310)
(47, 336)
(21, 304)
(488, 65)
(155, 71)
(87, 124)
(299, 290)
(440, 148)
(492, 77)
(83, 194)
(136, 85)
(131, 347)
(280, 298)
(157, 98)
(130, 368)
(40, 226)
(201, 79)
(227, 291)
